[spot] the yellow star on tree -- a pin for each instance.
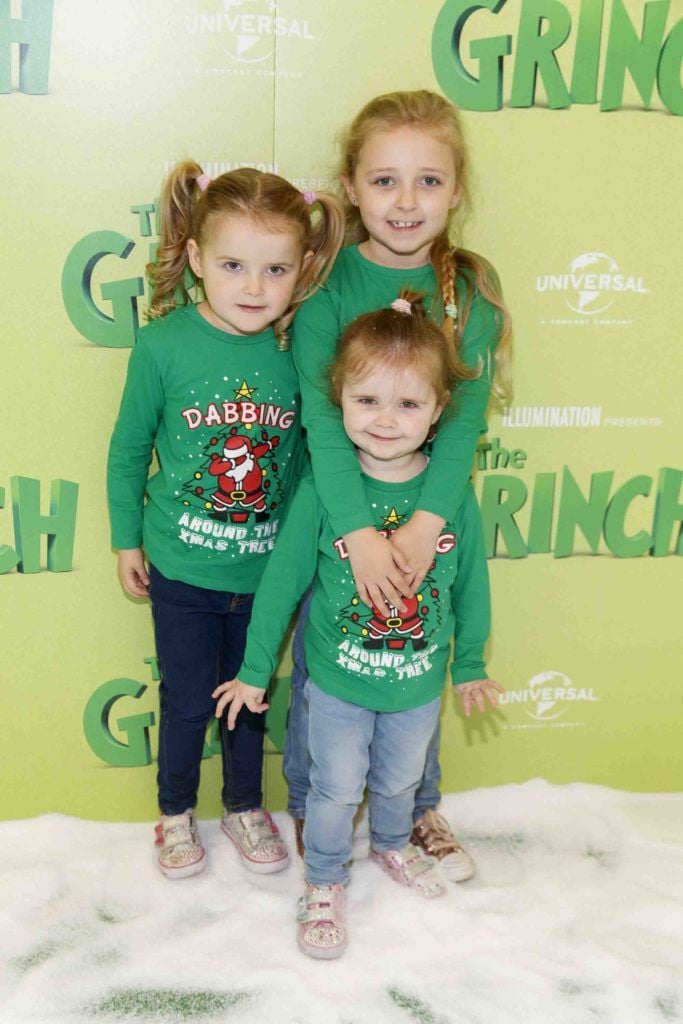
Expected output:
(244, 392)
(393, 519)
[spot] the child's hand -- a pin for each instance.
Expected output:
(238, 694)
(133, 572)
(379, 570)
(416, 542)
(475, 692)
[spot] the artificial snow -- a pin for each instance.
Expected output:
(575, 916)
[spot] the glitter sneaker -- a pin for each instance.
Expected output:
(181, 853)
(257, 839)
(322, 934)
(433, 834)
(412, 867)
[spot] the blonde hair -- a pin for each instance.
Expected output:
(431, 113)
(398, 341)
(187, 212)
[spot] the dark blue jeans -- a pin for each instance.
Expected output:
(200, 638)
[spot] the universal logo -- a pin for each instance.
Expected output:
(246, 30)
(590, 287)
(547, 699)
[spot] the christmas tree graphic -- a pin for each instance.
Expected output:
(374, 630)
(237, 475)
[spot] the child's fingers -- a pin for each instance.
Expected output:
(257, 706)
(134, 586)
(478, 698)
(222, 704)
(235, 709)
(376, 599)
(491, 694)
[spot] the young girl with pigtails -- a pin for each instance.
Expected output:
(212, 388)
(375, 678)
(405, 172)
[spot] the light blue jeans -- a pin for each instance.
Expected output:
(350, 745)
(297, 760)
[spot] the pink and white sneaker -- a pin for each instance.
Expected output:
(413, 868)
(320, 916)
(180, 852)
(257, 839)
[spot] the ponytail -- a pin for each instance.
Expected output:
(325, 240)
(168, 274)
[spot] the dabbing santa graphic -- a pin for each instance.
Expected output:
(240, 478)
(395, 629)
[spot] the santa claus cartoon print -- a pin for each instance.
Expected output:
(395, 629)
(240, 478)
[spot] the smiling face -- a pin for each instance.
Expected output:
(387, 414)
(249, 272)
(404, 186)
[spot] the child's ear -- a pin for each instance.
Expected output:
(437, 412)
(457, 196)
(308, 256)
(349, 189)
(193, 257)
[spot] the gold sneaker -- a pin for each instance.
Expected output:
(433, 834)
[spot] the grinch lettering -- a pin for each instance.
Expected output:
(229, 413)
(357, 659)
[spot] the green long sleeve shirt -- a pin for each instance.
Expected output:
(355, 653)
(223, 413)
(355, 286)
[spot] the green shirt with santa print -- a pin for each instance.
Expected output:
(358, 654)
(222, 412)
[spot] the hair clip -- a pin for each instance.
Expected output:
(402, 306)
(203, 180)
(451, 310)
(310, 198)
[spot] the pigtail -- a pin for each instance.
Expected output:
(326, 239)
(168, 274)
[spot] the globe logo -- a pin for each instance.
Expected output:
(591, 276)
(557, 683)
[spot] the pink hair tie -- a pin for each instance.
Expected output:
(402, 306)
(203, 180)
(310, 198)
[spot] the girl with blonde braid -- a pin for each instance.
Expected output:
(405, 172)
(212, 387)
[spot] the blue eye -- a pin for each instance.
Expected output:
(231, 265)
(276, 271)
(430, 180)
(383, 182)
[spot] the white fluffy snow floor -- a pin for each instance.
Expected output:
(576, 915)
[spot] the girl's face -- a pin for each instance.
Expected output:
(404, 187)
(387, 414)
(249, 272)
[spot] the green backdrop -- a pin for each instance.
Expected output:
(572, 112)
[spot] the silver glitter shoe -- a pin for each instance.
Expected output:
(257, 839)
(412, 867)
(320, 916)
(181, 853)
(433, 833)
